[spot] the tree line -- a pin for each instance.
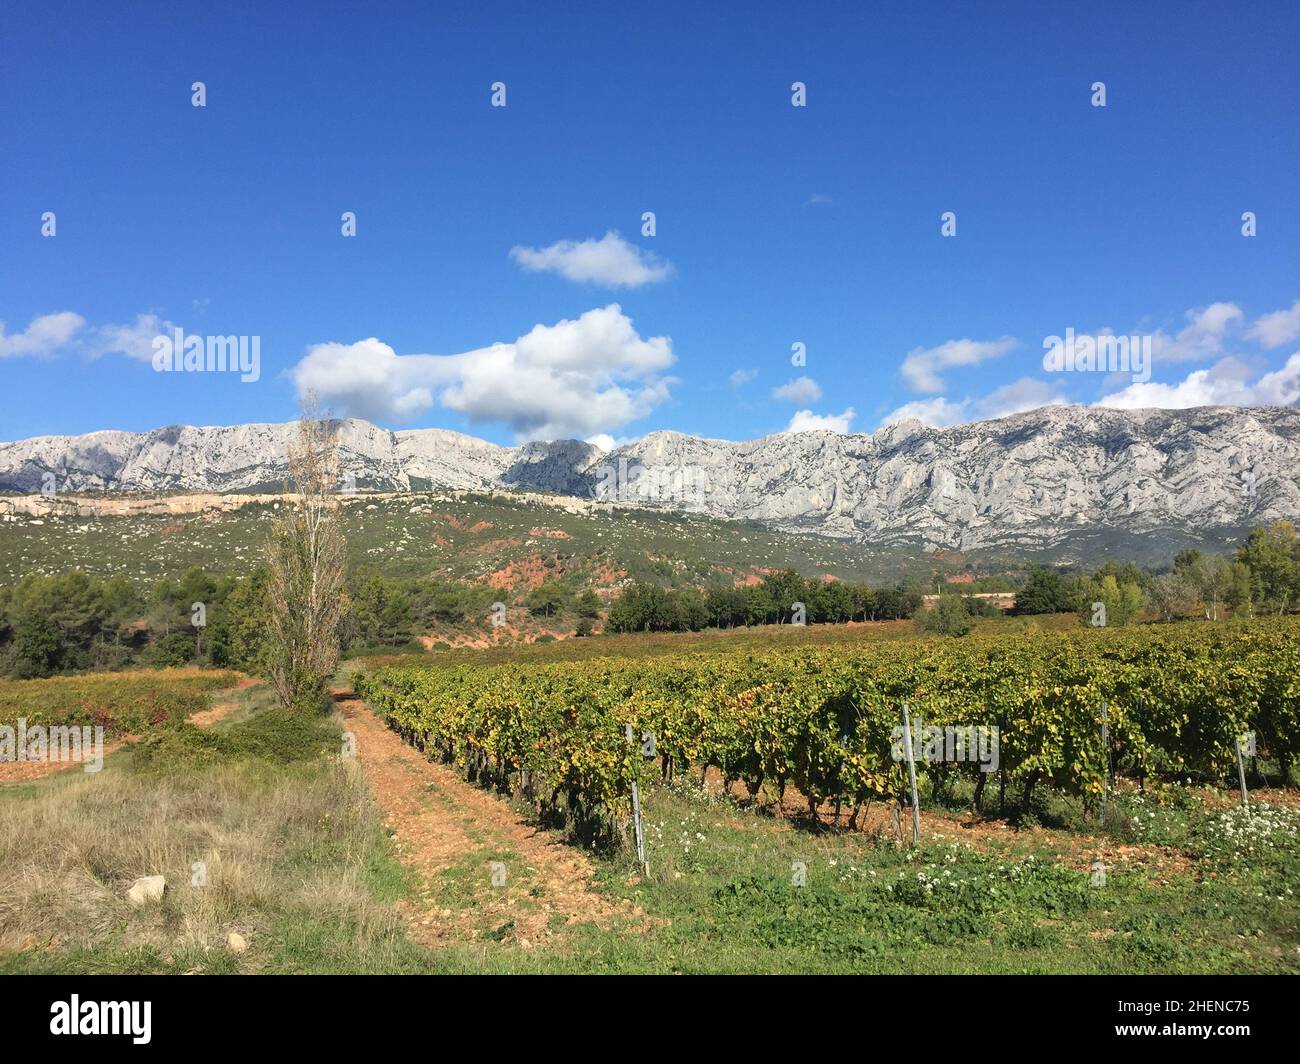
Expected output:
(75, 622)
(1260, 578)
(778, 598)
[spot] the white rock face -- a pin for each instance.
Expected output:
(1027, 481)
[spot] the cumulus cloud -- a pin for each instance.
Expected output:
(1014, 398)
(369, 379)
(922, 366)
(1209, 333)
(1017, 397)
(1227, 383)
(134, 340)
(1203, 337)
(606, 442)
(799, 390)
(807, 421)
(610, 261)
(1278, 328)
(938, 413)
(742, 377)
(44, 336)
(575, 378)
(66, 332)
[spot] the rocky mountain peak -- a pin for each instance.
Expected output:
(1029, 481)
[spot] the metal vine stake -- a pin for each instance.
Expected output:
(911, 774)
(636, 815)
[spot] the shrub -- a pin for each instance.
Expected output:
(947, 616)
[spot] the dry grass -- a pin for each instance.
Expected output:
(285, 848)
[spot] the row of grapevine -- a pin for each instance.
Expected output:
(822, 719)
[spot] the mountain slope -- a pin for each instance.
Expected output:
(1027, 482)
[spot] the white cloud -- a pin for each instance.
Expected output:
(807, 421)
(575, 378)
(799, 390)
(817, 199)
(369, 379)
(609, 261)
(1017, 397)
(1200, 339)
(1226, 383)
(45, 335)
(1278, 328)
(1281, 387)
(65, 332)
(921, 366)
(606, 442)
(1024, 394)
(741, 377)
(134, 340)
(938, 412)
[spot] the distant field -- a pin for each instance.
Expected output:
(737, 640)
(122, 702)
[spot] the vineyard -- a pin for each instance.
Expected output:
(122, 702)
(824, 720)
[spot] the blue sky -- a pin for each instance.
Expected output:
(775, 224)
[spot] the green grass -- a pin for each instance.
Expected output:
(275, 737)
(727, 902)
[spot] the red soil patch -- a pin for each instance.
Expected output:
(607, 575)
(460, 526)
(26, 771)
(529, 573)
(208, 717)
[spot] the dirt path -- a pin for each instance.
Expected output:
(449, 833)
(26, 771)
(208, 717)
